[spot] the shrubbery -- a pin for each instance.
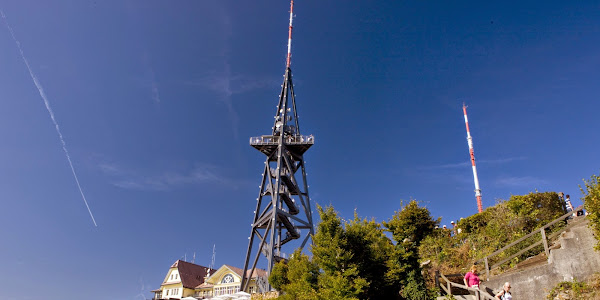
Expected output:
(577, 290)
(591, 201)
(497, 226)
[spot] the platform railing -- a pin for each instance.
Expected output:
(274, 139)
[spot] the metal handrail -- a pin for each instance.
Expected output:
(543, 240)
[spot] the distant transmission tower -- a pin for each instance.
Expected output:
(472, 153)
(283, 205)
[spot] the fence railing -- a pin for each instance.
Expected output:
(288, 139)
(447, 285)
(543, 240)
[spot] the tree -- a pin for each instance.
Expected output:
(340, 278)
(355, 259)
(412, 223)
(409, 227)
(298, 279)
(372, 253)
(329, 242)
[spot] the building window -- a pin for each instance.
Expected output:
(227, 279)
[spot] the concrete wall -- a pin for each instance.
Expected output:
(576, 258)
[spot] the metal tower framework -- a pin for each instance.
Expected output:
(283, 211)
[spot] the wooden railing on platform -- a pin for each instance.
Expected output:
(479, 294)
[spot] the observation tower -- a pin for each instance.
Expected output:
(283, 210)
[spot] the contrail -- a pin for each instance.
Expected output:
(43, 95)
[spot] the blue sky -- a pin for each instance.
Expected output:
(156, 101)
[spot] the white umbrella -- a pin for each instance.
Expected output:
(242, 294)
(189, 298)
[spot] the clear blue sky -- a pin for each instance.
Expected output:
(156, 101)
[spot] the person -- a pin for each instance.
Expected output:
(453, 227)
(568, 202)
(505, 293)
(471, 279)
(447, 231)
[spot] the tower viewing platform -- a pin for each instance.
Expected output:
(297, 144)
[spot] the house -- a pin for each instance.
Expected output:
(181, 280)
(227, 280)
(185, 279)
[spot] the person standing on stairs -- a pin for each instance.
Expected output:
(505, 293)
(471, 279)
(569, 204)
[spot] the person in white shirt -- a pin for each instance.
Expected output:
(505, 293)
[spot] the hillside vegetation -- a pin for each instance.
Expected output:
(356, 259)
(497, 226)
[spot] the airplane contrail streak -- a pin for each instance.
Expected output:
(47, 103)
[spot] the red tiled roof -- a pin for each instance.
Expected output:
(191, 275)
(257, 272)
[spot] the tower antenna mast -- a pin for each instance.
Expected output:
(472, 153)
(289, 48)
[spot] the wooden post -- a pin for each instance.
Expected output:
(437, 279)
(449, 287)
(477, 294)
(487, 270)
(545, 242)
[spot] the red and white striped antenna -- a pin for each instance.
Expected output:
(472, 153)
(289, 53)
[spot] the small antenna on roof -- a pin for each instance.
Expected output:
(194, 259)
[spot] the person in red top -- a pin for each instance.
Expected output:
(471, 278)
